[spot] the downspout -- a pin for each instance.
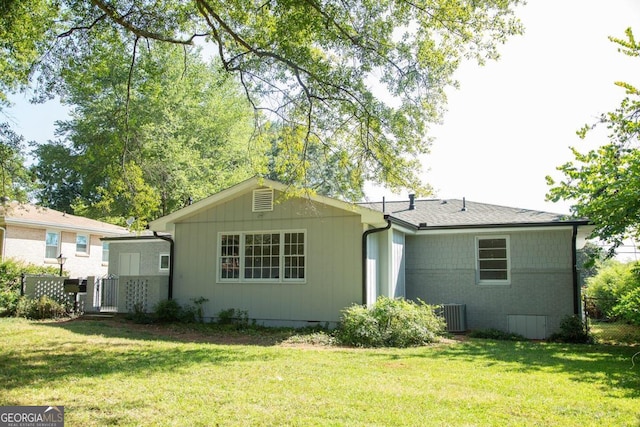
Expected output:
(574, 264)
(171, 250)
(364, 255)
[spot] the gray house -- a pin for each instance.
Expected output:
(296, 260)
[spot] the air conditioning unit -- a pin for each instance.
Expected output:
(455, 316)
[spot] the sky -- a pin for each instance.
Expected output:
(512, 122)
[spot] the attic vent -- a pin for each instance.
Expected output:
(262, 200)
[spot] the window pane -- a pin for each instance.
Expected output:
(261, 256)
(294, 256)
(492, 259)
(230, 256)
(52, 243)
(105, 251)
(81, 243)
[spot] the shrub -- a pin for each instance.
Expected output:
(613, 282)
(572, 330)
(628, 308)
(40, 308)
(11, 272)
(167, 311)
(390, 323)
(496, 334)
(233, 316)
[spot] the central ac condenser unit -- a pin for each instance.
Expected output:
(455, 316)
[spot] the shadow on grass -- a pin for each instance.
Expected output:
(102, 348)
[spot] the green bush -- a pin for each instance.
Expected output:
(11, 272)
(615, 290)
(628, 307)
(167, 311)
(233, 316)
(496, 334)
(390, 322)
(572, 330)
(40, 308)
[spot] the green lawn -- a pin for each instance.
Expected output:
(107, 373)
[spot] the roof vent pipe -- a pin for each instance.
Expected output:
(464, 205)
(412, 202)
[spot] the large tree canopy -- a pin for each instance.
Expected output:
(143, 141)
(604, 183)
(357, 81)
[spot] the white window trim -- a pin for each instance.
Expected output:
(493, 281)
(241, 278)
(88, 237)
(59, 233)
(160, 268)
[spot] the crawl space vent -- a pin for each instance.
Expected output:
(263, 200)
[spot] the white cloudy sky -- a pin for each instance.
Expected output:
(512, 121)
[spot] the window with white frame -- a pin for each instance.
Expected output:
(493, 260)
(52, 244)
(82, 244)
(164, 262)
(273, 256)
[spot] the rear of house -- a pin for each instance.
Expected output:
(296, 260)
(285, 260)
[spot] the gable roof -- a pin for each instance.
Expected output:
(455, 213)
(29, 215)
(166, 223)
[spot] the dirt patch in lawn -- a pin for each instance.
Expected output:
(226, 334)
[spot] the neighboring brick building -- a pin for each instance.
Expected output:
(38, 236)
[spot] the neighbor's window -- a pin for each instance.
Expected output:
(164, 262)
(52, 244)
(82, 244)
(105, 251)
(493, 260)
(266, 256)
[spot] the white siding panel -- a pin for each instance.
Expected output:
(397, 265)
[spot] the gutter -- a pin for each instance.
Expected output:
(171, 251)
(574, 268)
(364, 255)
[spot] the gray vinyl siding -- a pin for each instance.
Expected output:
(149, 251)
(333, 261)
(440, 269)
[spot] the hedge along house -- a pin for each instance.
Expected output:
(298, 260)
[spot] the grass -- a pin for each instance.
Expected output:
(614, 332)
(115, 373)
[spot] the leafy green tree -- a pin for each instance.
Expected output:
(604, 183)
(14, 176)
(359, 80)
(25, 29)
(143, 140)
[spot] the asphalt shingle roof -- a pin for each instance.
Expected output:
(28, 214)
(450, 213)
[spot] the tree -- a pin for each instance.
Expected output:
(25, 28)
(142, 141)
(604, 183)
(14, 177)
(358, 80)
